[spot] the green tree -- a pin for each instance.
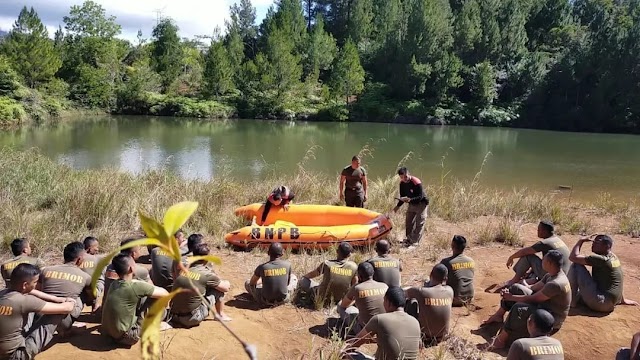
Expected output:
(166, 52)
(30, 50)
(513, 31)
(360, 25)
(321, 50)
(218, 70)
(242, 29)
(468, 30)
(90, 19)
(284, 68)
(483, 85)
(348, 76)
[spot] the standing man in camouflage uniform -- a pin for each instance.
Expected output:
(353, 184)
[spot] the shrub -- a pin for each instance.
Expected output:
(11, 112)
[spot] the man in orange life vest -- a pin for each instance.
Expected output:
(411, 192)
(280, 196)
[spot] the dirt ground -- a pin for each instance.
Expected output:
(288, 332)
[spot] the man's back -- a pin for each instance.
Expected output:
(538, 348)
(14, 307)
(434, 309)
(275, 279)
(203, 278)
(139, 273)
(337, 278)
(369, 298)
(386, 269)
(119, 310)
(461, 272)
(607, 273)
(558, 290)
(554, 243)
(7, 267)
(89, 263)
(162, 265)
(64, 280)
(398, 335)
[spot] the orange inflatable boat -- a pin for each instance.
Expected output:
(309, 226)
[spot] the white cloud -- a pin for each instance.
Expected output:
(194, 17)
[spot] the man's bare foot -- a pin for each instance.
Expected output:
(223, 317)
(495, 318)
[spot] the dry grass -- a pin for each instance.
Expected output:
(53, 204)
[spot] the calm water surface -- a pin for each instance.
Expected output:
(541, 160)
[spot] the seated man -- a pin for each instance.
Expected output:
(126, 302)
(179, 235)
(338, 276)
(139, 272)
(460, 272)
(601, 290)
(17, 303)
(396, 332)
(162, 264)
(431, 305)
(528, 260)
(539, 345)
(272, 283)
(368, 296)
(552, 293)
(89, 262)
(21, 250)
(386, 269)
(632, 353)
(187, 308)
(68, 281)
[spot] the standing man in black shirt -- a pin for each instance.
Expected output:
(411, 192)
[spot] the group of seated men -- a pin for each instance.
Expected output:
(373, 307)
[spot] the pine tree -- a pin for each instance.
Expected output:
(514, 34)
(468, 30)
(321, 50)
(284, 65)
(29, 49)
(360, 21)
(166, 52)
(348, 76)
(218, 70)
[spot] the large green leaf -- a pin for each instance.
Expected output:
(151, 327)
(151, 227)
(177, 215)
(107, 259)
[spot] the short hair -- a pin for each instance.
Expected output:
(460, 242)
(121, 263)
(193, 240)
(543, 320)
(180, 231)
(201, 249)
(395, 296)
(555, 257)
(440, 272)
(355, 158)
(383, 246)
(547, 225)
(606, 239)
(275, 249)
(403, 171)
(365, 271)
(128, 251)
(24, 272)
(72, 251)
(18, 245)
(344, 249)
(88, 241)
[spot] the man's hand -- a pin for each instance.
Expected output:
(365, 198)
(509, 262)
(504, 291)
(628, 302)
(405, 199)
(341, 196)
(286, 207)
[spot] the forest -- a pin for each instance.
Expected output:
(549, 64)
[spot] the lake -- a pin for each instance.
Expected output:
(515, 158)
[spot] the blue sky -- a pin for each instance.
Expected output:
(194, 17)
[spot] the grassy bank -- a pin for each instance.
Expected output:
(53, 204)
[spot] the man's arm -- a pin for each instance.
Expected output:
(364, 337)
(536, 298)
(49, 298)
(624, 301)
(347, 300)
(159, 292)
(57, 309)
(520, 253)
(575, 256)
(364, 186)
(224, 286)
(315, 273)
(419, 191)
(254, 280)
(343, 179)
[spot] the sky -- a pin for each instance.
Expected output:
(194, 17)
